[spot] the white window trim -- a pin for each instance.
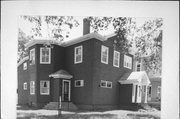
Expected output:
(30, 58)
(125, 61)
(137, 62)
(114, 58)
(106, 48)
(25, 86)
(81, 47)
(25, 66)
(81, 83)
(32, 90)
(106, 82)
(48, 85)
(41, 62)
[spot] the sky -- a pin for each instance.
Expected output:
(26, 27)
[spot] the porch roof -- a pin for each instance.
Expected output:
(135, 78)
(61, 74)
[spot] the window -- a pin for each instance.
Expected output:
(79, 83)
(127, 61)
(32, 56)
(149, 90)
(32, 87)
(104, 54)
(78, 54)
(106, 84)
(25, 66)
(45, 55)
(44, 87)
(116, 59)
(25, 86)
(159, 92)
(138, 66)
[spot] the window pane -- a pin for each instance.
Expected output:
(44, 87)
(78, 54)
(109, 84)
(78, 83)
(45, 55)
(103, 83)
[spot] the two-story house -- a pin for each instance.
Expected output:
(87, 71)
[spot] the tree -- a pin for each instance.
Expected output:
(145, 41)
(53, 27)
(57, 26)
(149, 44)
(122, 27)
(22, 39)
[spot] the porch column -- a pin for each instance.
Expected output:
(146, 94)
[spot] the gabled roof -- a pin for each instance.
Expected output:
(136, 78)
(23, 60)
(69, 42)
(61, 74)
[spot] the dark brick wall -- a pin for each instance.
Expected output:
(43, 71)
(22, 78)
(32, 99)
(125, 94)
(106, 72)
(55, 89)
(81, 71)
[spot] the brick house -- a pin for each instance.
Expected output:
(87, 71)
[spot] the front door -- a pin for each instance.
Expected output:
(66, 90)
(143, 94)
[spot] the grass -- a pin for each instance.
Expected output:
(70, 116)
(142, 116)
(24, 112)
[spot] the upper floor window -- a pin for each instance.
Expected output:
(106, 84)
(32, 56)
(44, 87)
(45, 55)
(32, 87)
(104, 54)
(127, 61)
(79, 83)
(78, 51)
(116, 59)
(25, 66)
(25, 86)
(138, 66)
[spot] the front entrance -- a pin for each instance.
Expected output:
(144, 93)
(139, 93)
(66, 90)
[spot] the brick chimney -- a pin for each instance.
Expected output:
(86, 26)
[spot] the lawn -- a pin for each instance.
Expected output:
(25, 113)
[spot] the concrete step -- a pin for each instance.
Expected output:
(64, 105)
